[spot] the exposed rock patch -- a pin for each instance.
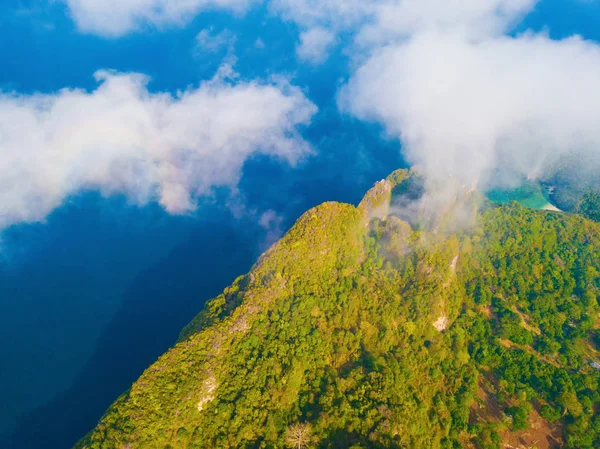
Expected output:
(441, 324)
(208, 392)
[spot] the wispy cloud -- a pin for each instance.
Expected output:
(210, 41)
(121, 138)
(467, 100)
(118, 17)
(378, 18)
(382, 20)
(315, 45)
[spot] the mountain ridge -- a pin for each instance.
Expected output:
(357, 329)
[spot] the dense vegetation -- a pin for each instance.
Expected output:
(589, 206)
(359, 330)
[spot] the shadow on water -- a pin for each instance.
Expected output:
(156, 306)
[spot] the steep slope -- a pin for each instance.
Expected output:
(574, 184)
(357, 330)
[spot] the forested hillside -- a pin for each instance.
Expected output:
(361, 330)
(574, 182)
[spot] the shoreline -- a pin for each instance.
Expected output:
(551, 207)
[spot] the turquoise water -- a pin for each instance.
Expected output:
(529, 194)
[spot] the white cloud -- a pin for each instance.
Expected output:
(465, 103)
(209, 41)
(382, 20)
(315, 45)
(335, 14)
(444, 77)
(271, 222)
(118, 17)
(121, 138)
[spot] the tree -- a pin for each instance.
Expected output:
(590, 206)
(298, 436)
(569, 400)
(519, 415)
